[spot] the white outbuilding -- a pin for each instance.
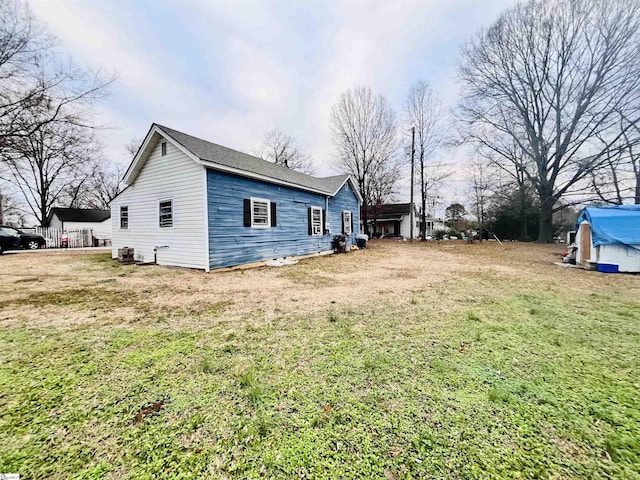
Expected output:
(610, 237)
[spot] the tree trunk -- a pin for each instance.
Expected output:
(545, 234)
(423, 220)
(637, 199)
(523, 214)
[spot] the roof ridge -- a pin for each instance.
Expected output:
(216, 156)
(238, 151)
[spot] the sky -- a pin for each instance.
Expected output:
(230, 71)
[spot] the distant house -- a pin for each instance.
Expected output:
(68, 219)
(193, 203)
(610, 236)
(394, 219)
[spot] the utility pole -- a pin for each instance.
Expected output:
(413, 151)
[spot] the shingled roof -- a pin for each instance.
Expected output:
(213, 155)
(390, 211)
(79, 214)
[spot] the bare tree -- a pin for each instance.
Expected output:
(508, 164)
(133, 146)
(51, 166)
(364, 132)
(619, 178)
(554, 76)
(282, 150)
(34, 77)
(10, 211)
(424, 114)
(106, 184)
(480, 190)
(382, 189)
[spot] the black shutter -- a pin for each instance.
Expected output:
(324, 222)
(247, 212)
(342, 215)
(273, 215)
(309, 218)
(352, 232)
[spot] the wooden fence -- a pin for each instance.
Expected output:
(59, 238)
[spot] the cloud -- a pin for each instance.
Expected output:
(229, 71)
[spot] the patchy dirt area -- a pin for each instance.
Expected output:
(414, 359)
(68, 289)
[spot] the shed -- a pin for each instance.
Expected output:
(67, 219)
(610, 235)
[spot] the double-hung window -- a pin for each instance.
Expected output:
(346, 223)
(260, 213)
(315, 217)
(165, 213)
(124, 217)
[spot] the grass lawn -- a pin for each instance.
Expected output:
(401, 361)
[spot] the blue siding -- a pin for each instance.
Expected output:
(345, 199)
(231, 243)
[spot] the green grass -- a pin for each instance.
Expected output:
(533, 384)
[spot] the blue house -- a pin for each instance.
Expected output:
(196, 204)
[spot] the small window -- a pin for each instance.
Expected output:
(346, 222)
(124, 217)
(260, 213)
(165, 211)
(316, 221)
(163, 148)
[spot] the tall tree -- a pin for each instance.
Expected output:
(364, 128)
(47, 148)
(424, 114)
(506, 175)
(51, 166)
(480, 190)
(282, 150)
(454, 213)
(619, 179)
(554, 76)
(106, 184)
(34, 77)
(10, 211)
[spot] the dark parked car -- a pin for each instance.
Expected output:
(30, 241)
(9, 239)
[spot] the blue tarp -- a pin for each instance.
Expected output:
(614, 225)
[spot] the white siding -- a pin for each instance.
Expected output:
(627, 259)
(174, 176)
(55, 222)
(405, 226)
(100, 229)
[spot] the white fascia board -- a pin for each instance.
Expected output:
(119, 193)
(133, 170)
(353, 187)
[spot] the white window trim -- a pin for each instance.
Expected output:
(320, 232)
(263, 200)
(120, 217)
(173, 216)
(347, 224)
